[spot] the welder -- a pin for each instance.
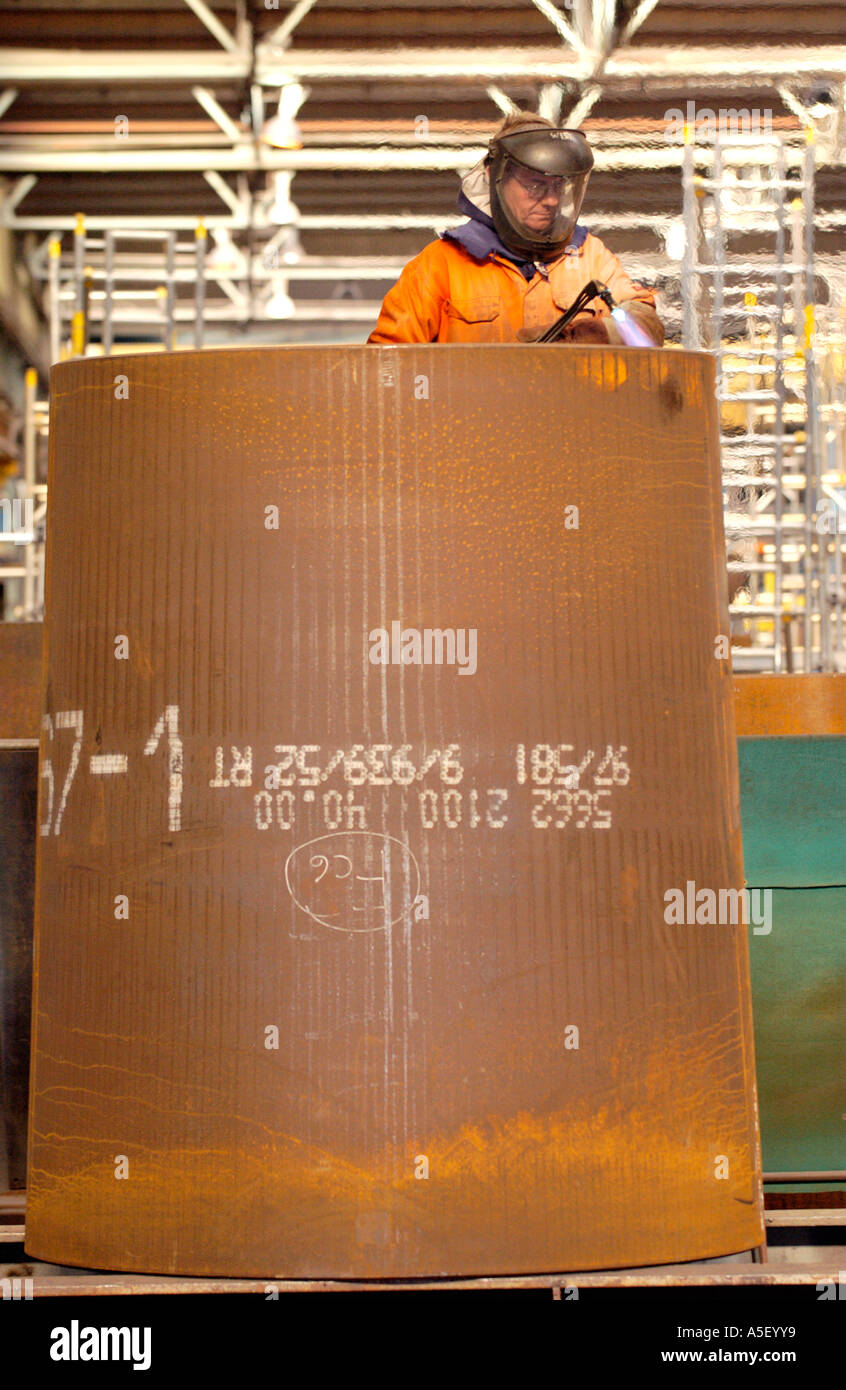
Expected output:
(522, 259)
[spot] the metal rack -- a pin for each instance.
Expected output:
(153, 287)
(136, 292)
(22, 570)
(749, 297)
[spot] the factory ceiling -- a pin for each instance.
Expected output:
(155, 113)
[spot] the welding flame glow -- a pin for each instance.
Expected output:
(632, 333)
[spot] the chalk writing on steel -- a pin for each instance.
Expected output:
(105, 764)
(354, 881)
(65, 719)
(554, 786)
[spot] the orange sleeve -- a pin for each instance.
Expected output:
(604, 265)
(411, 310)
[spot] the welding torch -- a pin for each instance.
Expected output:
(594, 289)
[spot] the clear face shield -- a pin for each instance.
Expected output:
(541, 208)
(536, 205)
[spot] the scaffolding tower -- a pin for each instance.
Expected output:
(749, 297)
(23, 508)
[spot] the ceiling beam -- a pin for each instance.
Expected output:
(588, 99)
(201, 161)
(9, 201)
(213, 108)
(550, 99)
(562, 27)
(551, 64)
(213, 24)
(226, 194)
(281, 36)
(244, 156)
(660, 155)
(733, 67)
(75, 65)
(499, 98)
(642, 13)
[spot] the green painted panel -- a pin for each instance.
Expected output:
(793, 810)
(799, 1004)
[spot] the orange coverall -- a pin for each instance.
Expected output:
(446, 296)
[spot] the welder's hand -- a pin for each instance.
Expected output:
(586, 328)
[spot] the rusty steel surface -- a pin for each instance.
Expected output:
(790, 706)
(355, 968)
(20, 680)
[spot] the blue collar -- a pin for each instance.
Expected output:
(480, 238)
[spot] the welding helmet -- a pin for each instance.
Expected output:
(537, 179)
